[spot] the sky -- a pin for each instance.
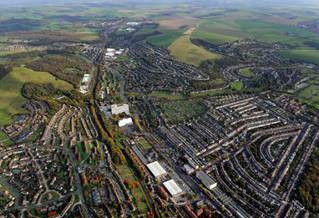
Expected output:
(24, 3)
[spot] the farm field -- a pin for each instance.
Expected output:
(307, 55)
(11, 100)
(185, 51)
(232, 27)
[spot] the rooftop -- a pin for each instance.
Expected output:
(156, 169)
(172, 187)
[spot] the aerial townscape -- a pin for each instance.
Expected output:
(159, 109)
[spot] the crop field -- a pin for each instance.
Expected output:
(307, 55)
(11, 100)
(185, 51)
(179, 111)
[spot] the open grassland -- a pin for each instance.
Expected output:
(234, 26)
(166, 38)
(307, 55)
(177, 22)
(185, 51)
(11, 100)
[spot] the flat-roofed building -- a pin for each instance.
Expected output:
(118, 109)
(125, 122)
(172, 187)
(156, 169)
(207, 181)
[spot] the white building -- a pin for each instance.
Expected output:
(207, 181)
(84, 86)
(156, 169)
(172, 188)
(118, 109)
(125, 122)
(112, 53)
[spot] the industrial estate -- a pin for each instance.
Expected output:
(186, 109)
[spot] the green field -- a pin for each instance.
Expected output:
(11, 100)
(310, 95)
(166, 38)
(242, 25)
(307, 55)
(182, 110)
(185, 51)
(4, 140)
(137, 193)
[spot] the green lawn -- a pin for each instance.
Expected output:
(11, 100)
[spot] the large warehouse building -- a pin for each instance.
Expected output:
(118, 109)
(173, 188)
(156, 169)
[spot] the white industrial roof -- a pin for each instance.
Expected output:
(156, 169)
(110, 50)
(86, 78)
(172, 187)
(118, 109)
(125, 122)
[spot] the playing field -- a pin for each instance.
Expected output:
(11, 100)
(185, 51)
